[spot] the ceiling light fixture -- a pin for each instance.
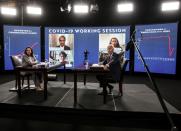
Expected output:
(8, 11)
(170, 6)
(34, 10)
(125, 7)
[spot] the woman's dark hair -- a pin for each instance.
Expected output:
(117, 43)
(30, 49)
(63, 53)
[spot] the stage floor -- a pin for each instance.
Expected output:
(136, 97)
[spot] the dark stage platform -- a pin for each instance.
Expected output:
(136, 97)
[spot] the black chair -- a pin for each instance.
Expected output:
(123, 65)
(17, 61)
(123, 69)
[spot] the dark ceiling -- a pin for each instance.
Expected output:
(145, 11)
(54, 2)
(47, 1)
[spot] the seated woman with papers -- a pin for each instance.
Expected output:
(29, 60)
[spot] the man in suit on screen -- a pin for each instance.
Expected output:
(112, 64)
(62, 45)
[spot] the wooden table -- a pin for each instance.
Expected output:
(83, 70)
(38, 68)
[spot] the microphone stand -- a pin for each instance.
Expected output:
(164, 107)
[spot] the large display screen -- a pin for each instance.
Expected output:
(17, 38)
(158, 45)
(70, 43)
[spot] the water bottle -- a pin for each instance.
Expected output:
(86, 64)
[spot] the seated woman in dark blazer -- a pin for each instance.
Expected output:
(29, 60)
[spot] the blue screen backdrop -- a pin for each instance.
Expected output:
(158, 45)
(83, 38)
(17, 38)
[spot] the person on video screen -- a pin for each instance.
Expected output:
(62, 45)
(63, 57)
(114, 42)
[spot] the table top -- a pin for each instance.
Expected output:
(41, 66)
(89, 69)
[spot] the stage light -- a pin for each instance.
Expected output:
(66, 8)
(94, 8)
(34, 10)
(125, 7)
(170, 6)
(69, 8)
(81, 9)
(8, 11)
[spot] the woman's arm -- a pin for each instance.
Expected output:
(35, 61)
(28, 62)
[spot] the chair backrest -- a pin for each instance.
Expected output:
(123, 68)
(16, 60)
(121, 57)
(124, 64)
